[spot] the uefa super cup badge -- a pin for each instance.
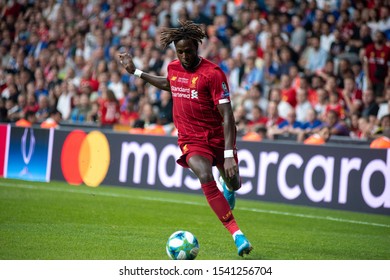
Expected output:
(27, 148)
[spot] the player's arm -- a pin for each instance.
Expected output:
(226, 111)
(157, 81)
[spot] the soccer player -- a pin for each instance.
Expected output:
(203, 116)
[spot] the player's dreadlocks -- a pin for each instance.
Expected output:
(188, 30)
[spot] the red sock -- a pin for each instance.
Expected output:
(220, 206)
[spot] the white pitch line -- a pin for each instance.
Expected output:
(164, 200)
(327, 218)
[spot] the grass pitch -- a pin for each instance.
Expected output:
(57, 221)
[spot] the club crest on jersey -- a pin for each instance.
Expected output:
(194, 94)
(193, 82)
(173, 78)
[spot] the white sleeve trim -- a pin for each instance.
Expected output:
(223, 101)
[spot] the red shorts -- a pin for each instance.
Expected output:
(214, 154)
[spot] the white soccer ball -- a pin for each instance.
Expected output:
(182, 245)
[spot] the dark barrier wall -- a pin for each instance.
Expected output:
(351, 178)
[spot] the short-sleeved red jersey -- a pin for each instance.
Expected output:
(378, 62)
(196, 95)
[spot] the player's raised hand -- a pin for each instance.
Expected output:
(126, 61)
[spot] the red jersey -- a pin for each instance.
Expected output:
(289, 95)
(196, 95)
(378, 62)
(109, 112)
(312, 96)
(127, 117)
(261, 121)
(338, 108)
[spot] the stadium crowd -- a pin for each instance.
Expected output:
(293, 66)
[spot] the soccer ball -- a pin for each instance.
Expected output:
(182, 245)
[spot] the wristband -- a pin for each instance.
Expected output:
(228, 154)
(138, 73)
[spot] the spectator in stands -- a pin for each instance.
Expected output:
(241, 119)
(354, 125)
(271, 68)
(87, 78)
(109, 109)
(18, 106)
(129, 113)
(254, 97)
(311, 91)
(43, 108)
(65, 100)
(80, 112)
(40, 88)
(331, 85)
(336, 127)
(384, 124)
(234, 75)
(290, 127)
(316, 57)
(343, 71)
(327, 37)
(384, 107)
(376, 63)
(295, 77)
(335, 104)
(327, 71)
(337, 45)
(352, 96)
(283, 107)
(93, 114)
(147, 117)
(257, 120)
(298, 35)
(369, 108)
(31, 103)
(288, 92)
(164, 109)
(273, 118)
(9, 88)
(253, 76)
(14, 112)
(115, 84)
(364, 131)
(359, 75)
(312, 122)
(303, 106)
(322, 102)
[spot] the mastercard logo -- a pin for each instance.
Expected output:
(85, 158)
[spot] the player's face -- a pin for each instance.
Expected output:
(187, 53)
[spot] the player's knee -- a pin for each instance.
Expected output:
(205, 177)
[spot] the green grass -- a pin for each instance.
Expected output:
(56, 221)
